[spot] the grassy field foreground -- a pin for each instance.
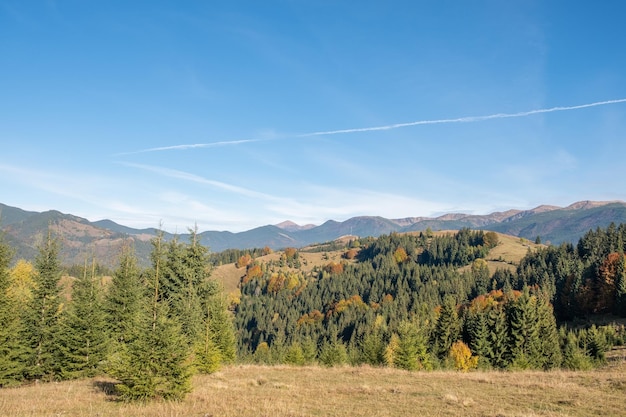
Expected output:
(248, 390)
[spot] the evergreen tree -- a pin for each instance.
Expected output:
(295, 355)
(550, 355)
(448, 328)
(411, 352)
(498, 337)
(333, 352)
(575, 358)
(372, 348)
(478, 332)
(83, 339)
(41, 322)
(217, 344)
(156, 363)
(11, 348)
(124, 299)
(524, 342)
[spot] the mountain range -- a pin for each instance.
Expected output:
(81, 239)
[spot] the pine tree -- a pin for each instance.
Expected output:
(83, 339)
(498, 337)
(448, 328)
(575, 358)
(41, 323)
(478, 331)
(124, 298)
(217, 342)
(333, 352)
(524, 342)
(550, 355)
(373, 348)
(11, 348)
(157, 363)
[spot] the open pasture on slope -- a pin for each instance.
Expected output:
(283, 391)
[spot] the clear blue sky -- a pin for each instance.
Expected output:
(100, 102)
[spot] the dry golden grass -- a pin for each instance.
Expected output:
(246, 390)
(229, 275)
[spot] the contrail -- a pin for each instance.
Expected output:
(467, 119)
(191, 146)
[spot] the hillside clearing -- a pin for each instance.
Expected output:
(506, 255)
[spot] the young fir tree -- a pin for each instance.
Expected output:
(550, 355)
(124, 299)
(575, 358)
(217, 343)
(498, 337)
(83, 340)
(405, 356)
(524, 342)
(156, 363)
(41, 321)
(11, 348)
(190, 297)
(448, 328)
(478, 332)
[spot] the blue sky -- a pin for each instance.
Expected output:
(236, 114)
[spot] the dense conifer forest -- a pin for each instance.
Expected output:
(407, 303)
(417, 301)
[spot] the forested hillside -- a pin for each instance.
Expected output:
(421, 302)
(416, 301)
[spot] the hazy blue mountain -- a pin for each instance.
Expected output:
(82, 239)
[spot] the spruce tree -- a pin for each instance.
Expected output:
(499, 354)
(41, 322)
(83, 339)
(575, 358)
(217, 343)
(123, 300)
(448, 328)
(156, 363)
(11, 348)
(550, 355)
(524, 342)
(478, 332)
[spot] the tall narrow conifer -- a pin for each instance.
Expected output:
(41, 323)
(11, 348)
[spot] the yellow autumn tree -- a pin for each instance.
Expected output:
(462, 356)
(22, 282)
(400, 255)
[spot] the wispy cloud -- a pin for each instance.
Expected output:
(186, 176)
(466, 119)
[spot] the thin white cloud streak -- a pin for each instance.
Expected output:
(192, 146)
(186, 176)
(466, 119)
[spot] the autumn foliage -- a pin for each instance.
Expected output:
(462, 356)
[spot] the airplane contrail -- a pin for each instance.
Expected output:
(466, 119)
(192, 146)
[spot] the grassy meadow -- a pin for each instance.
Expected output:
(284, 391)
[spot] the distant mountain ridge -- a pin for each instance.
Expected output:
(82, 239)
